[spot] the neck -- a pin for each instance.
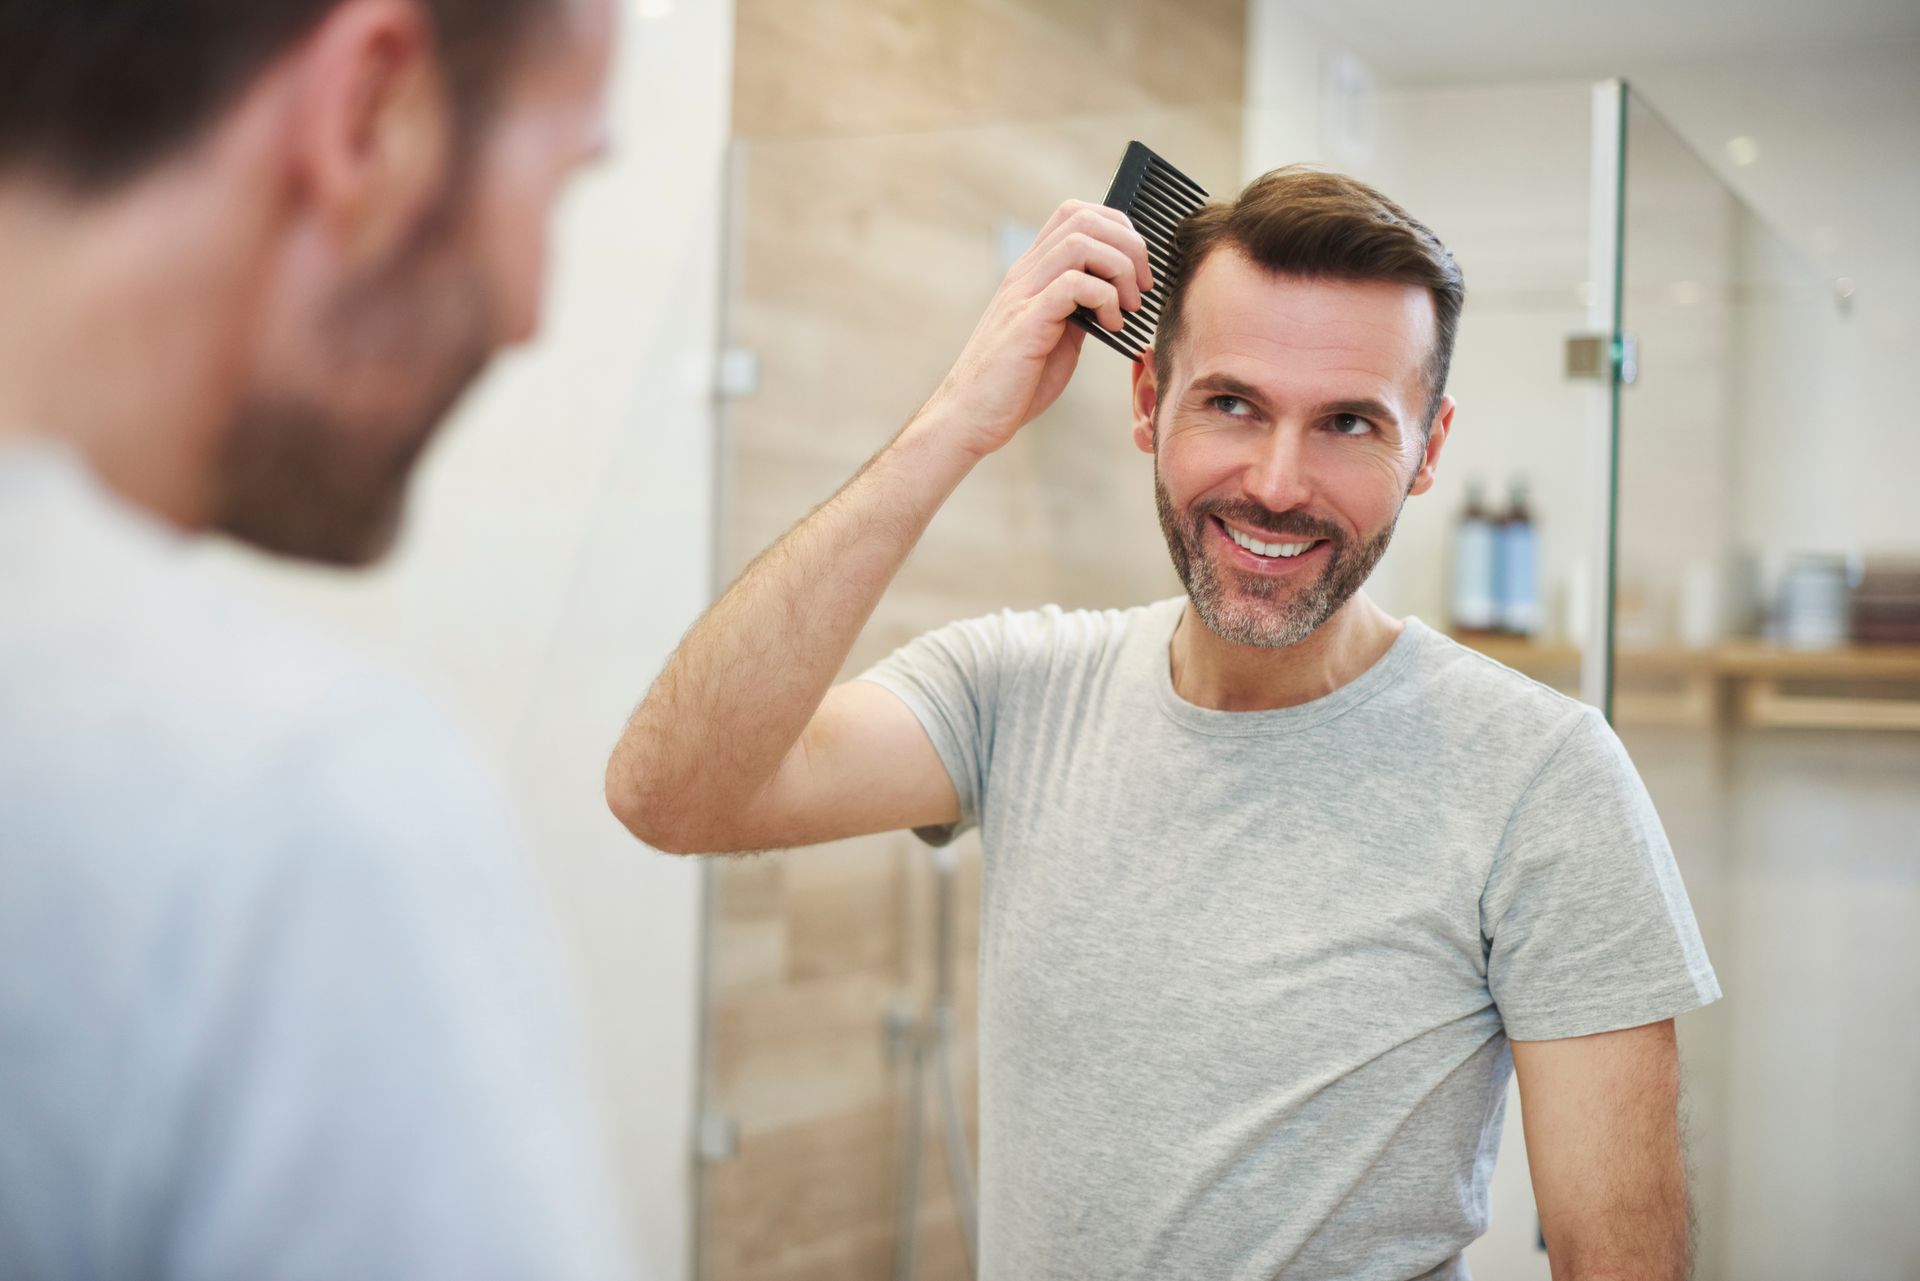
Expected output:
(1210, 672)
(118, 332)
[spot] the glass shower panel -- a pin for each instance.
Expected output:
(1723, 327)
(1684, 282)
(1772, 743)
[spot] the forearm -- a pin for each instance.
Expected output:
(1630, 1243)
(740, 690)
(1638, 1231)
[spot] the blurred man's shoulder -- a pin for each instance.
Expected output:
(141, 694)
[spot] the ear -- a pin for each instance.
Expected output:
(1146, 400)
(1436, 440)
(374, 131)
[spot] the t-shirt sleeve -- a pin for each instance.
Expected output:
(950, 680)
(1587, 923)
(378, 1065)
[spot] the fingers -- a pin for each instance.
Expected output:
(1078, 221)
(1077, 251)
(1070, 208)
(1079, 289)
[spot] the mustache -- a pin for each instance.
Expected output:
(1248, 512)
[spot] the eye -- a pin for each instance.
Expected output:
(1350, 425)
(1232, 406)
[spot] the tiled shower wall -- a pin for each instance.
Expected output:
(888, 151)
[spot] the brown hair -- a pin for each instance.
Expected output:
(1307, 222)
(97, 91)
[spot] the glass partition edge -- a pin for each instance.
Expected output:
(1603, 317)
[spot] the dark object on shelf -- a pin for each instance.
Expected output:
(1886, 602)
(1158, 198)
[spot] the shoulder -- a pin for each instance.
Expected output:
(152, 717)
(1053, 638)
(1482, 706)
(1013, 643)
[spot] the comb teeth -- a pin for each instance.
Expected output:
(1158, 198)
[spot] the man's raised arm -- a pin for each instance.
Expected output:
(743, 742)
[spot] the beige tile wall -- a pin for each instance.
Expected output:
(881, 142)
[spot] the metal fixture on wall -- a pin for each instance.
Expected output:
(923, 1040)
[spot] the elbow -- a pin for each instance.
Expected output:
(647, 817)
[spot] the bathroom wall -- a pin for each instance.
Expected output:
(559, 543)
(891, 156)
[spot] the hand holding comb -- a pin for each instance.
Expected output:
(1157, 198)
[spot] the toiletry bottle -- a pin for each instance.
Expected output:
(1473, 551)
(1516, 559)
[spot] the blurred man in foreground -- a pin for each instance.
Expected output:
(278, 997)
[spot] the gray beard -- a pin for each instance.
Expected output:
(1262, 612)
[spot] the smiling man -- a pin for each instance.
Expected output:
(1279, 889)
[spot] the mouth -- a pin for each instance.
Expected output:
(1268, 553)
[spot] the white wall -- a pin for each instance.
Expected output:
(560, 541)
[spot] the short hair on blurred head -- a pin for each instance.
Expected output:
(1308, 222)
(97, 91)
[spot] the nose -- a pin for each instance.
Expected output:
(1277, 475)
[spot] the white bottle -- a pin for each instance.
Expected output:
(1516, 557)
(1473, 606)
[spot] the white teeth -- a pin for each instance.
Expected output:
(1259, 548)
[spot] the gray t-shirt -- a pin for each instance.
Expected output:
(279, 996)
(1247, 979)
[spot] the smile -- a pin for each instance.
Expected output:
(1272, 551)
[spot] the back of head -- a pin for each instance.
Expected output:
(1313, 224)
(354, 195)
(99, 90)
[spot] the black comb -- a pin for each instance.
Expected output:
(1158, 198)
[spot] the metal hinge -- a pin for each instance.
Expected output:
(1626, 359)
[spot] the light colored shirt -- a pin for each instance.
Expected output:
(279, 997)
(1248, 979)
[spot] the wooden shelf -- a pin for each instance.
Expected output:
(1852, 663)
(1746, 683)
(1764, 704)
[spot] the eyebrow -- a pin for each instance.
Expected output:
(1363, 407)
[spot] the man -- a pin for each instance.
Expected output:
(277, 998)
(1278, 888)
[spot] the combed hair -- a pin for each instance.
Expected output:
(1307, 222)
(93, 92)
